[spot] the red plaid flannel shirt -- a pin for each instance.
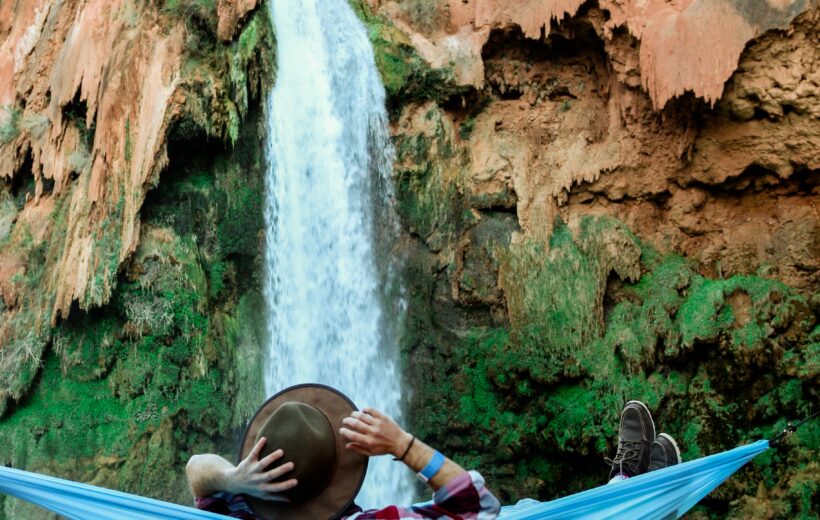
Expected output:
(464, 497)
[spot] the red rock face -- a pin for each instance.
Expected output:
(88, 93)
(123, 71)
(121, 65)
(685, 45)
(570, 126)
(231, 12)
(689, 122)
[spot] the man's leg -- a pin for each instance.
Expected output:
(635, 437)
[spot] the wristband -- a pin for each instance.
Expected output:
(401, 459)
(432, 467)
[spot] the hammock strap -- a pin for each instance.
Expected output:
(791, 428)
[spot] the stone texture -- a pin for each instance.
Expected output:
(231, 13)
(687, 45)
(559, 132)
(579, 232)
(124, 78)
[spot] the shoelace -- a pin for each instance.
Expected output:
(628, 455)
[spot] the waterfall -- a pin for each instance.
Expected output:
(329, 220)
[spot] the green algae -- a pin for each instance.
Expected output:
(406, 76)
(125, 392)
(10, 128)
(598, 318)
(224, 80)
(29, 326)
(429, 179)
(105, 388)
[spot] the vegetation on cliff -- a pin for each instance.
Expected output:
(78, 170)
(720, 362)
(405, 74)
(533, 316)
(535, 312)
(128, 391)
(121, 394)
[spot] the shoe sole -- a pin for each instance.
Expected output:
(645, 410)
(674, 444)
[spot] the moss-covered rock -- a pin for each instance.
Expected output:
(172, 364)
(220, 84)
(407, 77)
(597, 318)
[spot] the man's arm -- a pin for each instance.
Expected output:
(209, 474)
(370, 433)
(458, 493)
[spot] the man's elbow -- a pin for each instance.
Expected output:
(190, 468)
(193, 470)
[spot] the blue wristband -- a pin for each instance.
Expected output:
(432, 467)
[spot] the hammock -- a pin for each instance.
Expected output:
(662, 494)
(667, 493)
(85, 502)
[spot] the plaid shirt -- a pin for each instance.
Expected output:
(464, 497)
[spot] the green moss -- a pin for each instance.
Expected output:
(223, 80)
(128, 144)
(246, 335)
(466, 128)
(429, 180)
(193, 12)
(106, 261)
(115, 382)
(720, 362)
(10, 128)
(256, 37)
(406, 76)
(165, 364)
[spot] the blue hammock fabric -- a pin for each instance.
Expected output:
(85, 502)
(667, 493)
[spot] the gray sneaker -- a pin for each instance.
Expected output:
(664, 453)
(635, 437)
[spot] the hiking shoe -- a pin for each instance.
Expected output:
(635, 437)
(664, 453)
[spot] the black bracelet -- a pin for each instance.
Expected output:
(412, 440)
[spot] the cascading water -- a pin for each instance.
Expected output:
(329, 219)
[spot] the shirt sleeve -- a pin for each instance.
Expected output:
(464, 497)
(226, 504)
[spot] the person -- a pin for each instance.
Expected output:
(639, 450)
(304, 455)
(263, 485)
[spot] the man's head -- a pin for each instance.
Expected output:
(304, 422)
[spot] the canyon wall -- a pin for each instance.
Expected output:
(605, 201)
(131, 223)
(600, 201)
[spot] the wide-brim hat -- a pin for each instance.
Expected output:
(296, 417)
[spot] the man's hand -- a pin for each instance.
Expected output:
(250, 477)
(370, 433)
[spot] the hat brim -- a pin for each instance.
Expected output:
(350, 469)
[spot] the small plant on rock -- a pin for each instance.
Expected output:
(10, 127)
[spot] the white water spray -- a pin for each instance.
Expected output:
(328, 188)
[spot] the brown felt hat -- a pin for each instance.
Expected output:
(304, 421)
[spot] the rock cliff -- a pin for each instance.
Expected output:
(600, 201)
(605, 201)
(130, 229)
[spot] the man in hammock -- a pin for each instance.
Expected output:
(263, 486)
(327, 443)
